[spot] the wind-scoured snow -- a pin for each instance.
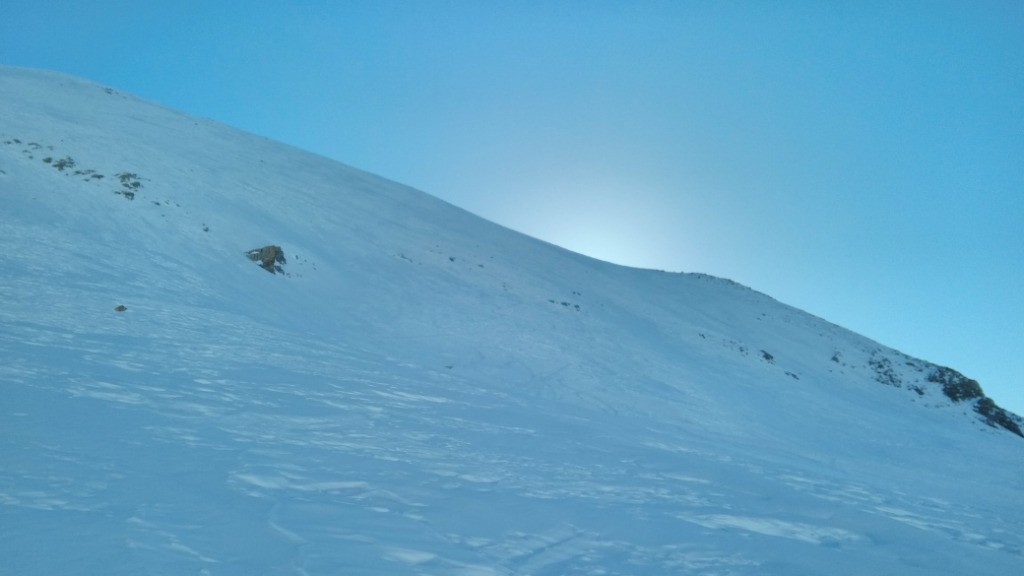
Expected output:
(425, 392)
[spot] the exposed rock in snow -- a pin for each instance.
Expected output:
(271, 258)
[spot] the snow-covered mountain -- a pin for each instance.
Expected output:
(420, 391)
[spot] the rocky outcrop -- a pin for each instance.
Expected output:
(996, 416)
(270, 258)
(955, 385)
(960, 388)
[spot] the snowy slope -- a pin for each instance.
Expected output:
(424, 392)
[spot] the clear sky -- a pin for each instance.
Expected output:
(863, 161)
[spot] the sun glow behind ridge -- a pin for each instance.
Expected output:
(604, 216)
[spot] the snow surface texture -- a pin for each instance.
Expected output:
(424, 392)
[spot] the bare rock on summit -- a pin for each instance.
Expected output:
(270, 258)
(959, 388)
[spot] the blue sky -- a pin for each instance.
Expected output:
(863, 161)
